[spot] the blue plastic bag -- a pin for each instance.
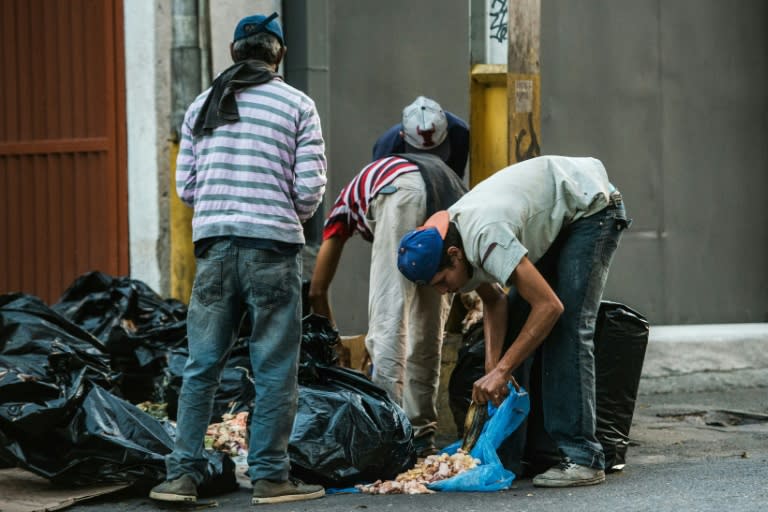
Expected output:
(490, 475)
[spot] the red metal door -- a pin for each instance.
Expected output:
(63, 185)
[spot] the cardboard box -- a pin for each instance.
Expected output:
(352, 353)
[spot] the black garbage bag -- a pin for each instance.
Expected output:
(44, 363)
(125, 314)
(621, 337)
(470, 366)
(105, 440)
(347, 431)
(136, 326)
(57, 418)
(28, 326)
(319, 340)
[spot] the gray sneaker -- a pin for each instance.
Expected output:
(182, 489)
(568, 474)
(267, 491)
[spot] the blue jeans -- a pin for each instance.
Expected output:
(576, 266)
(231, 280)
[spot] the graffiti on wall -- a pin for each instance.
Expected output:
(498, 15)
(533, 148)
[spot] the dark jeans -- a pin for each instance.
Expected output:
(576, 266)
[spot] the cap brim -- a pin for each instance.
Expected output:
(442, 150)
(439, 221)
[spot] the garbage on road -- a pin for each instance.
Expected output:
(453, 469)
(89, 390)
(431, 469)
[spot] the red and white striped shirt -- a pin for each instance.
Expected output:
(349, 211)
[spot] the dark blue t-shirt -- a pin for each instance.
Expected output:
(458, 137)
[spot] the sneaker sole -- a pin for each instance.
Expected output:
(568, 483)
(288, 497)
(178, 498)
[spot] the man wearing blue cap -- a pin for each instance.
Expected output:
(252, 165)
(547, 228)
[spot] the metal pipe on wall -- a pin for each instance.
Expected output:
(185, 60)
(186, 81)
(206, 56)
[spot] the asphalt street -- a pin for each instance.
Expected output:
(716, 484)
(691, 451)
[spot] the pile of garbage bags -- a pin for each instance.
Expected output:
(73, 373)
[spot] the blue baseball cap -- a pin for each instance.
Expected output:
(420, 251)
(257, 23)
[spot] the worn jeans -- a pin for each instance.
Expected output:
(576, 266)
(405, 331)
(230, 280)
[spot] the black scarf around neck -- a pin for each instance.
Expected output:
(220, 107)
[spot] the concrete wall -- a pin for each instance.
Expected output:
(672, 97)
(147, 77)
(383, 55)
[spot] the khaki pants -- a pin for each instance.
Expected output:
(406, 321)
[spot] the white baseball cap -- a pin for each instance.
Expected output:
(425, 127)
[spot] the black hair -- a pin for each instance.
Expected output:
(452, 239)
(261, 46)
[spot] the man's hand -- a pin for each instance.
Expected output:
(493, 387)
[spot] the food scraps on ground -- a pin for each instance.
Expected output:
(431, 469)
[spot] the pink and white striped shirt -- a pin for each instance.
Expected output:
(348, 212)
(259, 177)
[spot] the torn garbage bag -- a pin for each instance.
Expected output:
(136, 326)
(106, 439)
(44, 362)
(125, 314)
(57, 418)
(490, 475)
(319, 340)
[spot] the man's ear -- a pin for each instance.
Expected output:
(232, 50)
(280, 56)
(402, 134)
(455, 251)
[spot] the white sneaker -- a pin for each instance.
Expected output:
(568, 474)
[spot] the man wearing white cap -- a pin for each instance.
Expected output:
(426, 127)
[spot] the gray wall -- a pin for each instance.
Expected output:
(671, 95)
(381, 56)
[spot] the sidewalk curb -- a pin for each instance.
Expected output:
(693, 358)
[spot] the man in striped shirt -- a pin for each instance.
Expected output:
(252, 165)
(386, 199)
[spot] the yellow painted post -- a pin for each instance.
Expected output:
(488, 121)
(524, 80)
(182, 249)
